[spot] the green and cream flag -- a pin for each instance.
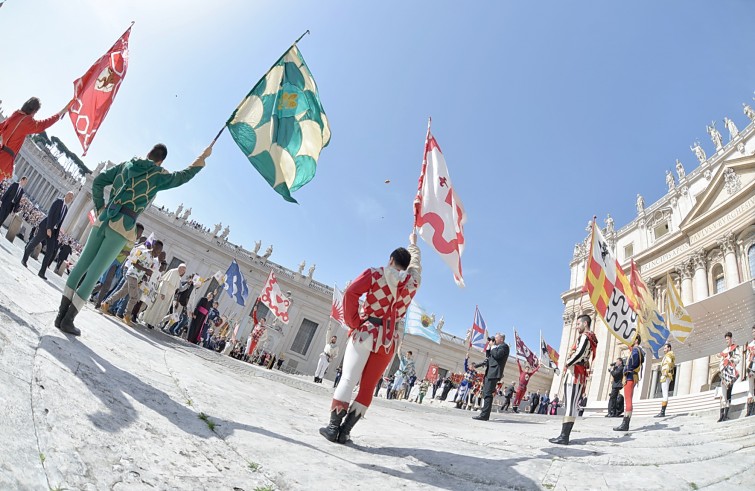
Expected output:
(281, 126)
(678, 319)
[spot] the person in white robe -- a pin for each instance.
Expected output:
(165, 290)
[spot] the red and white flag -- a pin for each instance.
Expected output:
(336, 308)
(438, 211)
(274, 299)
(523, 351)
(95, 91)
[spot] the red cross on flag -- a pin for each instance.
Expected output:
(274, 299)
(96, 90)
(438, 212)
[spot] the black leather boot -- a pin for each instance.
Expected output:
(726, 414)
(624, 426)
(662, 413)
(66, 323)
(331, 431)
(721, 416)
(563, 438)
(351, 419)
(750, 409)
(65, 302)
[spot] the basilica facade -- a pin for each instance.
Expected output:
(702, 234)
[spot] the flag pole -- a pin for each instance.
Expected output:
(271, 67)
(421, 182)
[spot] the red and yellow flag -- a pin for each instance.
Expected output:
(609, 290)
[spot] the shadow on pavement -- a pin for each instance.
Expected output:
(567, 451)
(15, 318)
(111, 386)
(447, 470)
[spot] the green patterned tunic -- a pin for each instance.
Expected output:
(134, 185)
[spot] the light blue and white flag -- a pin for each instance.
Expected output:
(235, 284)
(419, 323)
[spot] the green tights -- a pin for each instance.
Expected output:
(102, 247)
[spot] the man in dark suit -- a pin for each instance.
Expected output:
(48, 231)
(496, 353)
(63, 252)
(11, 200)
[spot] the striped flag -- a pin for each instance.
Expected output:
(652, 326)
(419, 323)
(677, 318)
(479, 332)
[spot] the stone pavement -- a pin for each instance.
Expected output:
(119, 408)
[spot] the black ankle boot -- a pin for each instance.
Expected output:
(351, 419)
(720, 416)
(66, 323)
(65, 302)
(563, 438)
(331, 431)
(624, 426)
(662, 413)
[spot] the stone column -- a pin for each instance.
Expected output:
(700, 286)
(699, 374)
(684, 378)
(685, 273)
(731, 273)
(654, 375)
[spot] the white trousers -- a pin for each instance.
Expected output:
(664, 390)
(572, 394)
(322, 365)
(751, 389)
(354, 359)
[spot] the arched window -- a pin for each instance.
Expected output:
(751, 259)
(717, 273)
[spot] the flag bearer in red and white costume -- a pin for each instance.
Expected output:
(750, 374)
(575, 375)
(728, 366)
(373, 335)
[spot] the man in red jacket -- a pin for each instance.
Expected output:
(373, 334)
(20, 124)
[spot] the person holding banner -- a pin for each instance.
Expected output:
(15, 129)
(134, 186)
(373, 334)
(667, 376)
(575, 373)
(750, 374)
(729, 360)
(632, 371)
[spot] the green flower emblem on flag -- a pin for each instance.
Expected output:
(281, 126)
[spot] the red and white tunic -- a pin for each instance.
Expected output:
(380, 303)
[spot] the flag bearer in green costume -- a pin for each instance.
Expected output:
(134, 185)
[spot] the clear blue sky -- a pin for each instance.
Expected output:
(547, 113)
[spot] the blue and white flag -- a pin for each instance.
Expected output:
(419, 323)
(235, 284)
